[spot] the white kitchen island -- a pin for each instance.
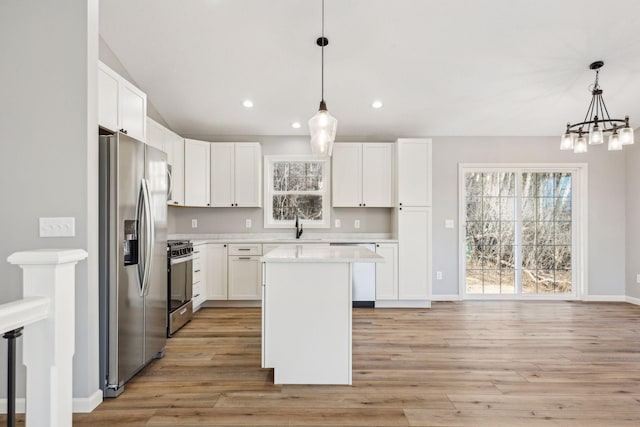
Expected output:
(306, 312)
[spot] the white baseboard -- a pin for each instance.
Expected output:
(84, 405)
(403, 304)
(605, 298)
(632, 300)
(79, 404)
(452, 297)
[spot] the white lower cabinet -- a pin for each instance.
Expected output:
(199, 295)
(245, 277)
(216, 266)
(387, 272)
(414, 253)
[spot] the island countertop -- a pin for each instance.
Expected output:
(304, 253)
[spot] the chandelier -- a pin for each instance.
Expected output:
(322, 125)
(597, 123)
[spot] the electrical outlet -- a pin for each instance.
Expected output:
(247, 223)
(338, 224)
(194, 223)
(438, 275)
(57, 227)
(638, 278)
(448, 223)
(356, 223)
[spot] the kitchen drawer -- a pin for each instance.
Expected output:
(197, 291)
(197, 264)
(197, 276)
(251, 249)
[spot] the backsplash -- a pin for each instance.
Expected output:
(233, 220)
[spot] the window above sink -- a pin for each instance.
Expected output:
(297, 186)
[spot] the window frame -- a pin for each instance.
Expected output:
(579, 246)
(269, 161)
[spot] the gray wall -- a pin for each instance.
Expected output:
(632, 156)
(606, 198)
(48, 156)
(232, 220)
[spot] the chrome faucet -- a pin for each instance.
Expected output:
(298, 228)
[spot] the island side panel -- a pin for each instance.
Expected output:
(307, 322)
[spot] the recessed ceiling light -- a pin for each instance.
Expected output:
(376, 104)
(296, 125)
(247, 103)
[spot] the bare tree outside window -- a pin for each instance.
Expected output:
(298, 189)
(525, 217)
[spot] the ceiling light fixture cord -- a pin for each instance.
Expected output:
(322, 56)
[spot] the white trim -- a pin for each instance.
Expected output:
(403, 303)
(84, 405)
(604, 298)
(443, 297)
(632, 300)
(579, 227)
(268, 194)
(80, 405)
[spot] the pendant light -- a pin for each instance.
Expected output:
(322, 125)
(598, 122)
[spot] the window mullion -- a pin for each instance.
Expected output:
(518, 234)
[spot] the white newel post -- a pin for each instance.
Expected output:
(48, 345)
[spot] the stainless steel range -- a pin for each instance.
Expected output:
(180, 282)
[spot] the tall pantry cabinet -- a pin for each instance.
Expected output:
(413, 221)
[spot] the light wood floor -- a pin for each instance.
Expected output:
(457, 364)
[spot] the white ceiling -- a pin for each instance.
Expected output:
(446, 67)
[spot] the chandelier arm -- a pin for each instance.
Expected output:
(604, 108)
(589, 114)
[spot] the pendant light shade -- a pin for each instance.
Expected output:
(580, 145)
(626, 133)
(322, 126)
(566, 143)
(615, 144)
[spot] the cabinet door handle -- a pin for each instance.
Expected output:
(175, 203)
(400, 204)
(244, 258)
(364, 204)
(196, 296)
(197, 271)
(244, 249)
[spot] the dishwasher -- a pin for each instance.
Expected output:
(363, 279)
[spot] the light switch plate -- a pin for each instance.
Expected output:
(58, 227)
(338, 224)
(194, 223)
(448, 223)
(247, 223)
(438, 275)
(638, 278)
(356, 223)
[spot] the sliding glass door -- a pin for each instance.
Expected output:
(518, 232)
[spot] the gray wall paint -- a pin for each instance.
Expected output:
(232, 220)
(111, 60)
(606, 194)
(49, 150)
(632, 156)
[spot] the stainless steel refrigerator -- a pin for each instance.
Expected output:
(133, 258)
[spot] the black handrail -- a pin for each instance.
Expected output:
(11, 375)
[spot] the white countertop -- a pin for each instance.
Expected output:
(300, 253)
(286, 238)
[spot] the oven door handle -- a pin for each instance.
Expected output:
(180, 260)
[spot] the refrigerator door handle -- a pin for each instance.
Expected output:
(148, 238)
(141, 265)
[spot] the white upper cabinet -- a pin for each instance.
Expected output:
(171, 143)
(121, 106)
(414, 171)
(362, 175)
(236, 174)
(377, 175)
(197, 173)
